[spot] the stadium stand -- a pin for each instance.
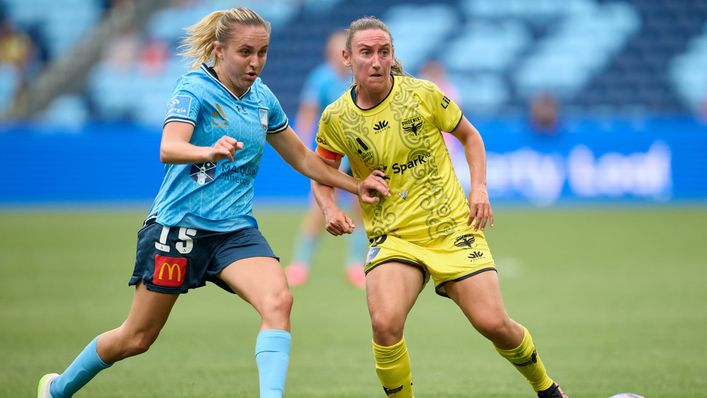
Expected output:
(628, 56)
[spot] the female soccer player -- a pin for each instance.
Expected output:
(426, 228)
(201, 227)
(323, 85)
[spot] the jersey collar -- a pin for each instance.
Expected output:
(353, 96)
(212, 74)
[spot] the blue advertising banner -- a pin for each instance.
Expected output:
(659, 160)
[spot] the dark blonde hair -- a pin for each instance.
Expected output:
(217, 26)
(367, 23)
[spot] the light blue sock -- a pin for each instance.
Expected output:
(357, 248)
(272, 354)
(304, 249)
(80, 372)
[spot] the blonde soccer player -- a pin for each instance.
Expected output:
(201, 226)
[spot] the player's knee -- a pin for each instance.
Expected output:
(386, 329)
(278, 305)
(140, 342)
(495, 328)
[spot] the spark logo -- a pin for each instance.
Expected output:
(399, 168)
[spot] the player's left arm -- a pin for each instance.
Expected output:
(479, 204)
(308, 163)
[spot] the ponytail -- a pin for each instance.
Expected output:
(217, 26)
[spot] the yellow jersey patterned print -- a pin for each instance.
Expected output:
(428, 207)
(402, 137)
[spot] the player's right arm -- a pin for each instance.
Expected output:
(336, 221)
(176, 147)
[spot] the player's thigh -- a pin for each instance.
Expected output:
(256, 280)
(392, 289)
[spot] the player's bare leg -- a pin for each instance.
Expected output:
(261, 282)
(148, 314)
(480, 299)
(311, 229)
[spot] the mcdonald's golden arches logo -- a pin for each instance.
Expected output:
(169, 271)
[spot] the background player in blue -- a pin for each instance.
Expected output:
(324, 85)
(201, 227)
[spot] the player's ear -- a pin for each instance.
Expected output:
(346, 57)
(218, 50)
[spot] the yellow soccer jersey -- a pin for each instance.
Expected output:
(402, 137)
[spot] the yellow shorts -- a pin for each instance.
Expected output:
(452, 258)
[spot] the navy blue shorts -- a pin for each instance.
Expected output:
(176, 259)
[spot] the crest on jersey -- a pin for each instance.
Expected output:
(413, 125)
(202, 173)
(263, 116)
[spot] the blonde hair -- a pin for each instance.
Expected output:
(367, 23)
(217, 26)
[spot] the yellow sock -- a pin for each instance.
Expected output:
(528, 362)
(393, 369)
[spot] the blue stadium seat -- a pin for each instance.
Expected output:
(413, 45)
(486, 46)
(591, 53)
(63, 23)
(480, 93)
(67, 111)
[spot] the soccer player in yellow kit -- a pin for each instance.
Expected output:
(426, 228)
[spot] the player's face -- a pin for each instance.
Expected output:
(242, 57)
(334, 47)
(370, 59)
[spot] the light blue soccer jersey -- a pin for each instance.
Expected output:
(324, 86)
(217, 197)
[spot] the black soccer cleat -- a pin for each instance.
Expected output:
(553, 392)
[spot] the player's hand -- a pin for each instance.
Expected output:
(480, 212)
(373, 187)
(337, 222)
(225, 147)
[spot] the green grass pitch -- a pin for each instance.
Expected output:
(615, 298)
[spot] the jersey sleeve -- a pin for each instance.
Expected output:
(329, 137)
(184, 104)
(276, 118)
(183, 107)
(447, 114)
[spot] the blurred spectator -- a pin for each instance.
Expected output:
(121, 53)
(324, 84)
(434, 71)
(544, 114)
(153, 56)
(15, 47)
